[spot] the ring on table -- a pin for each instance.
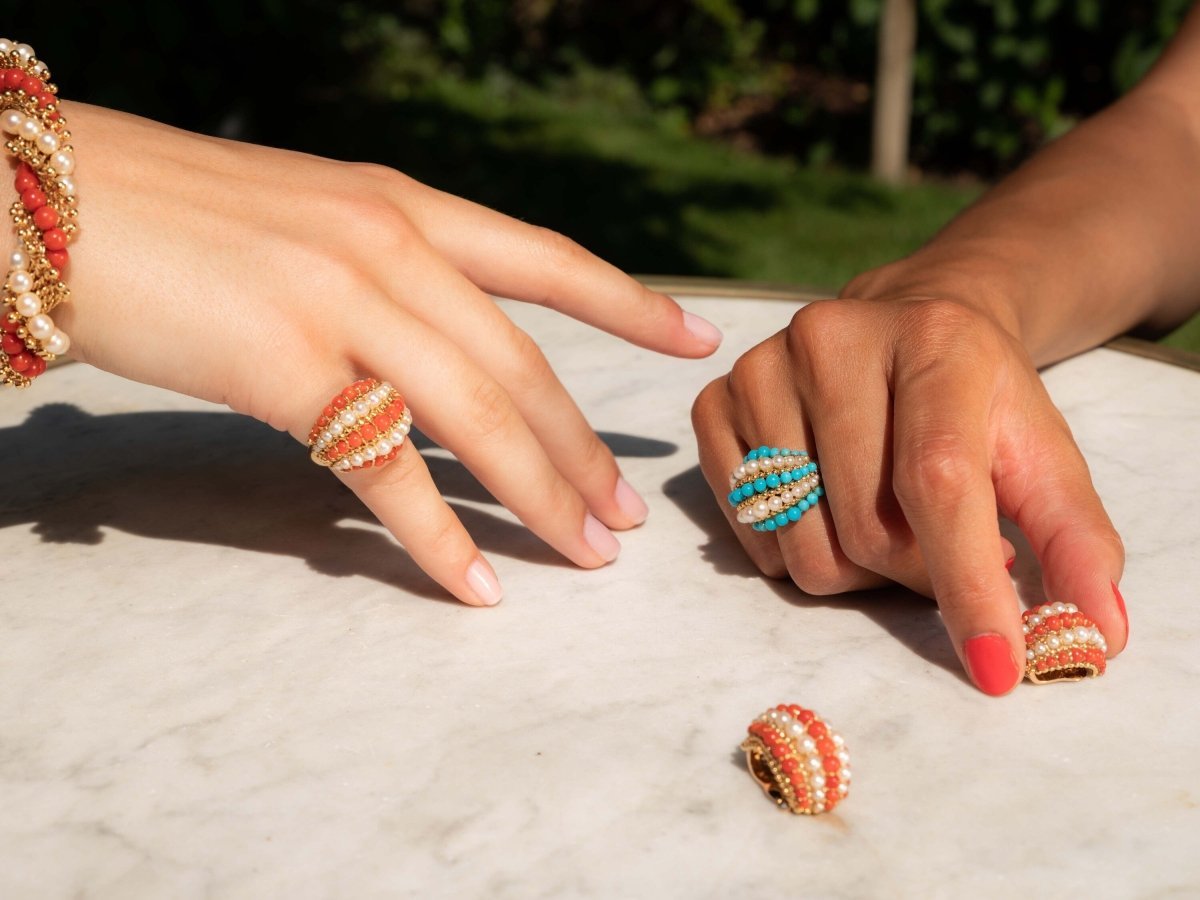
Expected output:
(364, 425)
(1062, 644)
(774, 487)
(797, 759)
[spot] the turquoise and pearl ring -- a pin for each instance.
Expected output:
(773, 487)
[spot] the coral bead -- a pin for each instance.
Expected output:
(33, 199)
(32, 86)
(21, 361)
(55, 238)
(46, 217)
(44, 99)
(11, 344)
(58, 258)
(25, 180)
(36, 367)
(13, 78)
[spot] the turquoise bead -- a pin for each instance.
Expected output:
(753, 454)
(794, 514)
(812, 499)
(773, 480)
(780, 520)
(747, 491)
(820, 491)
(735, 498)
(769, 525)
(786, 478)
(803, 505)
(764, 451)
(760, 484)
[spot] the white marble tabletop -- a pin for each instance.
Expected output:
(220, 678)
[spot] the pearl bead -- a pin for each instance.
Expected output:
(368, 453)
(1029, 654)
(843, 789)
(808, 745)
(1024, 629)
(740, 473)
(347, 417)
(384, 388)
(344, 465)
(818, 781)
(20, 281)
(39, 69)
(814, 763)
(788, 497)
(361, 408)
(24, 52)
(336, 429)
(68, 185)
(1053, 643)
(752, 467)
(397, 436)
(18, 259)
(1082, 634)
(797, 728)
(40, 326)
(384, 447)
(775, 503)
(1060, 607)
(6, 45)
(62, 162)
(839, 741)
(372, 398)
(47, 142)
(357, 460)
(58, 343)
(28, 304)
(819, 796)
(784, 719)
(30, 129)
(846, 774)
(1035, 620)
(1072, 608)
(774, 714)
(1068, 637)
(12, 120)
(843, 757)
(1047, 610)
(326, 436)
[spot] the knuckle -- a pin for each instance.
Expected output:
(937, 329)
(818, 574)
(556, 248)
(934, 471)
(530, 371)
(868, 544)
(491, 412)
(812, 336)
(771, 566)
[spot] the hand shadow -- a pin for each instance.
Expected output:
(224, 479)
(911, 619)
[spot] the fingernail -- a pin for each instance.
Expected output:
(600, 538)
(702, 330)
(1121, 605)
(630, 502)
(990, 664)
(1009, 563)
(483, 581)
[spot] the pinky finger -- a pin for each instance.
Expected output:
(404, 498)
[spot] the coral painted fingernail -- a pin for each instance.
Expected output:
(483, 581)
(1009, 563)
(990, 664)
(630, 502)
(702, 330)
(600, 538)
(1120, 605)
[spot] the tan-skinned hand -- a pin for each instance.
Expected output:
(927, 418)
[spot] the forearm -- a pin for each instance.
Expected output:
(1094, 236)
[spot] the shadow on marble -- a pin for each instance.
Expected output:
(224, 479)
(911, 619)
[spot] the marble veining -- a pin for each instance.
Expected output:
(221, 678)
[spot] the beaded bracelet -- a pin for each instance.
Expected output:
(44, 216)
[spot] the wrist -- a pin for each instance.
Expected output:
(978, 277)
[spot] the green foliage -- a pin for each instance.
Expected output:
(993, 78)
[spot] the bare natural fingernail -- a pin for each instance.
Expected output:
(702, 330)
(484, 583)
(600, 538)
(630, 502)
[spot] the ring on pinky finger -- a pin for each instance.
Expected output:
(364, 425)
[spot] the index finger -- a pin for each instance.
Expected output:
(942, 478)
(514, 259)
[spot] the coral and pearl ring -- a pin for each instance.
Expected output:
(363, 426)
(1062, 644)
(798, 760)
(773, 487)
